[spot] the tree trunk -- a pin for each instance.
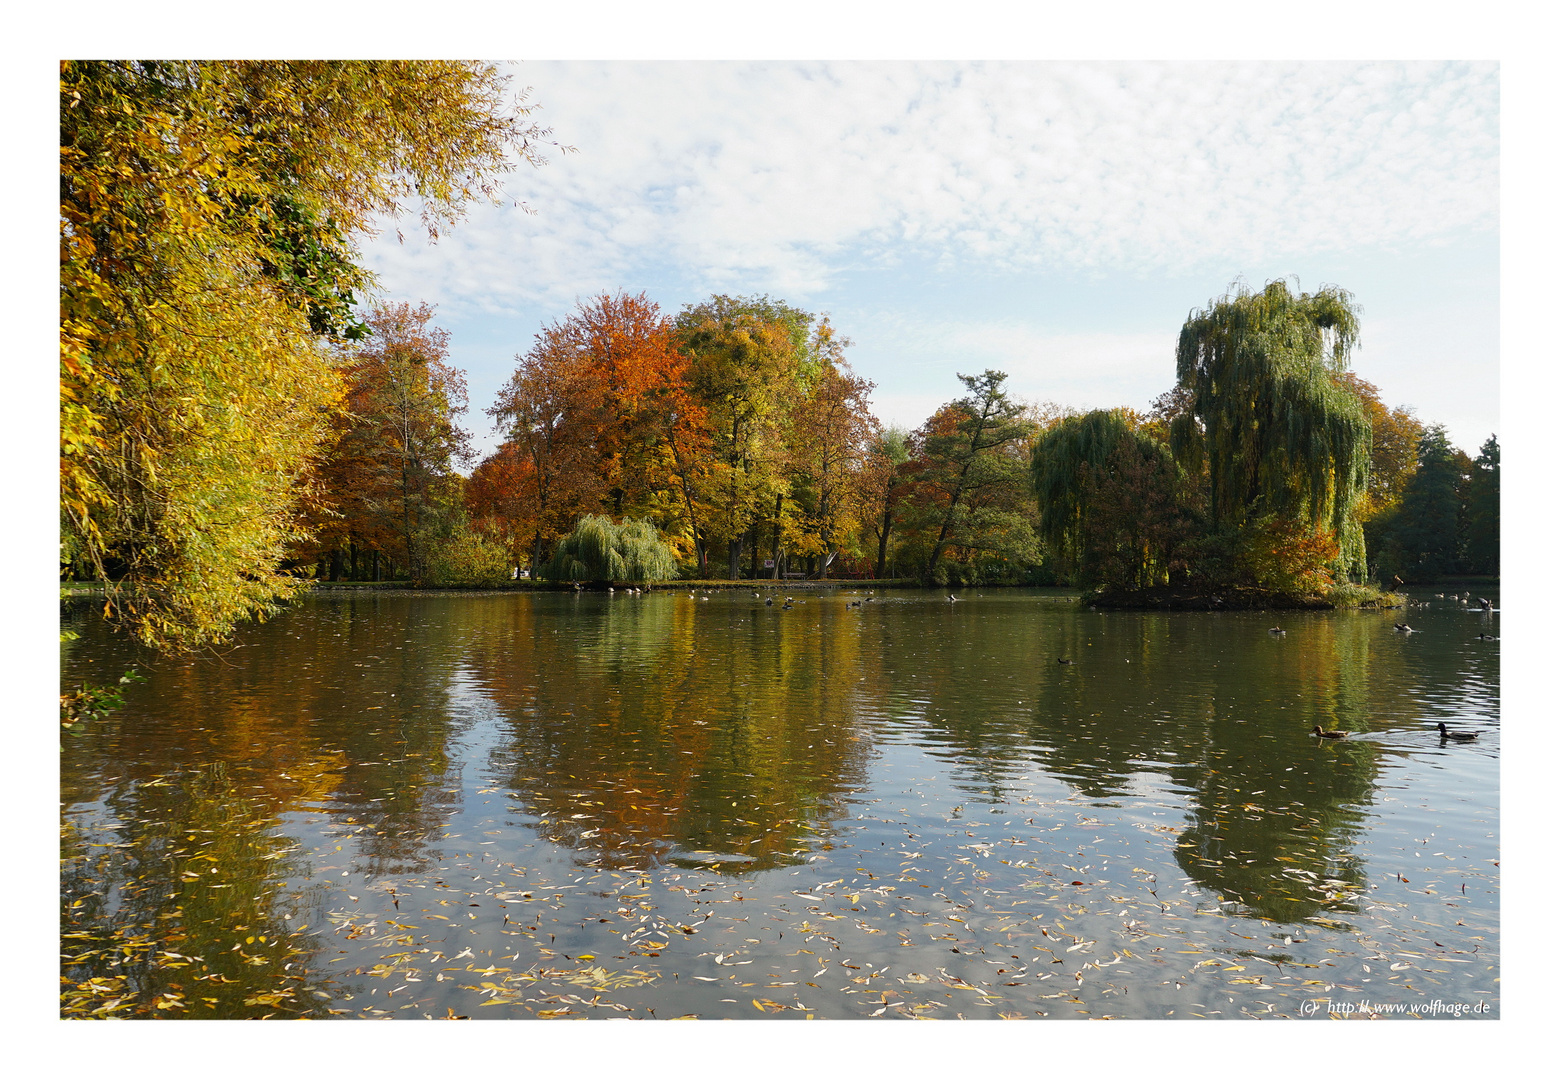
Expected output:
(888, 524)
(775, 570)
(734, 558)
(376, 564)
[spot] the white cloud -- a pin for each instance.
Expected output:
(772, 176)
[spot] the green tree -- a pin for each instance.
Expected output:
(1112, 503)
(1482, 513)
(1419, 540)
(976, 465)
(599, 550)
(209, 213)
(1281, 437)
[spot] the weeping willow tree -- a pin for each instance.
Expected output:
(1281, 437)
(598, 550)
(1112, 505)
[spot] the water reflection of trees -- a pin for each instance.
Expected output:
(321, 713)
(1273, 812)
(181, 911)
(1214, 703)
(661, 728)
(340, 707)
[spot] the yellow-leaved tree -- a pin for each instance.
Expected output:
(209, 215)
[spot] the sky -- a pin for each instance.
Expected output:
(1057, 221)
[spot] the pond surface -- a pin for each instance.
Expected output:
(516, 806)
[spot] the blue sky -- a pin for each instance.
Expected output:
(1056, 221)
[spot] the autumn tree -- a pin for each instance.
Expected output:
(831, 433)
(600, 409)
(1280, 436)
(393, 470)
(496, 503)
(1394, 447)
(884, 484)
(748, 359)
(548, 411)
(209, 215)
(976, 455)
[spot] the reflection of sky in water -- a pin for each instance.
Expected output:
(575, 805)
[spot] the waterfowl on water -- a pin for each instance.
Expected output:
(1402, 628)
(1486, 637)
(1059, 660)
(1457, 736)
(1276, 630)
(1485, 604)
(769, 601)
(1320, 734)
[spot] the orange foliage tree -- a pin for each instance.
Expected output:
(390, 481)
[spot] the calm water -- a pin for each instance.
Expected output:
(515, 806)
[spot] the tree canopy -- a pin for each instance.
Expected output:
(1277, 431)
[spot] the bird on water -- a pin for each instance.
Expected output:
(1457, 736)
(1320, 734)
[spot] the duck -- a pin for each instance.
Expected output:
(1402, 628)
(1486, 637)
(1320, 734)
(769, 601)
(952, 599)
(1276, 630)
(1059, 660)
(1457, 736)
(1485, 604)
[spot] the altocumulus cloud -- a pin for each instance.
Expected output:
(776, 177)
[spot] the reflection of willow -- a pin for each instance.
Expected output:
(1225, 713)
(659, 728)
(180, 913)
(335, 707)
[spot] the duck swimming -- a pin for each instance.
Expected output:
(1319, 733)
(1457, 736)
(1276, 630)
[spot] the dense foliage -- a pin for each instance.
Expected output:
(599, 550)
(208, 216)
(1281, 436)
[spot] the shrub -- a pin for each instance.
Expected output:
(598, 550)
(469, 560)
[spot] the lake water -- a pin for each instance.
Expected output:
(512, 806)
